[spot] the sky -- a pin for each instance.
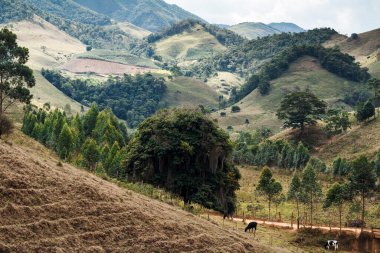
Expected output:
(345, 16)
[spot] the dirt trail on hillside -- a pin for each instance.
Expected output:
(48, 208)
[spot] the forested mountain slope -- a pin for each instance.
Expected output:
(48, 207)
(152, 15)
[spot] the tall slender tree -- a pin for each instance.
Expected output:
(15, 76)
(362, 181)
(336, 196)
(295, 193)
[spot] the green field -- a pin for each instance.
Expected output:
(118, 56)
(374, 69)
(189, 92)
(45, 92)
(191, 45)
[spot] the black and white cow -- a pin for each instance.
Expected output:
(331, 243)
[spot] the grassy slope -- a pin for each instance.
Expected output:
(191, 45)
(189, 92)
(132, 30)
(304, 73)
(47, 207)
(45, 92)
(365, 49)
(252, 30)
(224, 82)
(118, 56)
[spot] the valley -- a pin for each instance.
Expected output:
(134, 126)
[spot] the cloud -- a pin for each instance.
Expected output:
(346, 16)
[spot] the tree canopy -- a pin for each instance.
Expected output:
(299, 109)
(186, 153)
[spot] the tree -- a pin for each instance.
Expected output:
(374, 84)
(91, 153)
(185, 152)
(337, 121)
(15, 76)
(365, 111)
(377, 165)
(362, 180)
(269, 187)
(311, 188)
(89, 122)
(337, 195)
(65, 142)
(235, 109)
(295, 193)
(299, 109)
(6, 125)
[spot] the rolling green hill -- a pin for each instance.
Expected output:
(286, 27)
(304, 73)
(152, 15)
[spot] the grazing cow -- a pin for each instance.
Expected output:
(251, 226)
(332, 243)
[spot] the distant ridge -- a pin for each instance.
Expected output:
(152, 15)
(253, 30)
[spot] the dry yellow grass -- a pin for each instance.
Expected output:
(365, 49)
(45, 207)
(48, 46)
(134, 31)
(223, 82)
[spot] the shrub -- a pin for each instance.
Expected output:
(6, 125)
(235, 108)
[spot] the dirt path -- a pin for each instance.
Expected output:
(355, 231)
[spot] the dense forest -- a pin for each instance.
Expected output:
(331, 59)
(245, 58)
(130, 98)
(95, 140)
(224, 36)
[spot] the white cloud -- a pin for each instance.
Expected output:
(346, 16)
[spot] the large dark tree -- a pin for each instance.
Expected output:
(299, 109)
(185, 152)
(15, 76)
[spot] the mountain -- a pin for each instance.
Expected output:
(286, 27)
(152, 15)
(253, 30)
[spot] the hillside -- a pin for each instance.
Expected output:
(152, 15)
(365, 48)
(286, 27)
(304, 73)
(189, 92)
(191, 44)
(48, 45)
(50, 208)
(253, 30)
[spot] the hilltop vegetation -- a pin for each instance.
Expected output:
(245, 59)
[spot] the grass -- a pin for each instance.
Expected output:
(374, 69)
(252, 30)
(189, 92)
(191, 45)
(246, 196)
(119, 56)
(45, 92)
(223, 82)
(303, 74)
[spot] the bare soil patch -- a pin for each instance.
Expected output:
(102, 67)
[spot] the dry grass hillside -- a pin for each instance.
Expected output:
(365, 49)
(48, 46)
(45, 207)
(305, 73)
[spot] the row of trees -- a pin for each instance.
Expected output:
(95, 140)
(131, 98)
(306, 189)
